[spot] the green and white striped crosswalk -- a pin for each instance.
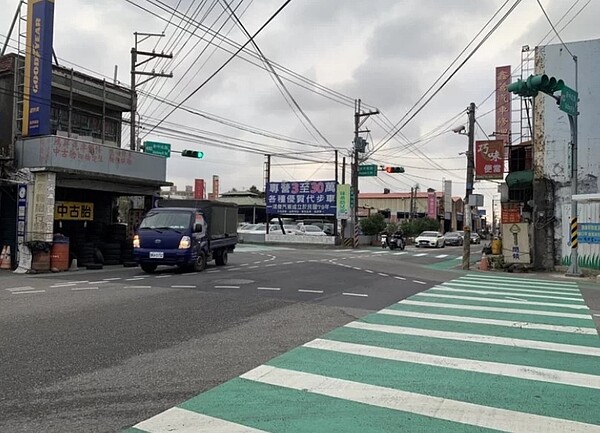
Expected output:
(483, 352)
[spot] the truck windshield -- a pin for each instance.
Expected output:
(166, 220)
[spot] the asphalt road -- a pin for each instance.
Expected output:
(100, 350)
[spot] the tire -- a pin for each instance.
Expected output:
(393, 246)
(148, 268)
(443, 244)
(200, 263)
(221, 258)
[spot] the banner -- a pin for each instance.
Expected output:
(301, 198)
(38, 68)
(503, 104)
(343, 202)
(489, 159)
(431, 205)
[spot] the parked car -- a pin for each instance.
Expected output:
(475, 238)
(253, 229)
(289, 229)
(430, 239)
(310, 230)
(454, 238)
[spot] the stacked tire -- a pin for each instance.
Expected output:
(111, 252)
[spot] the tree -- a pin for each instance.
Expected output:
(253, 189)
(416, 226)
(373, 225)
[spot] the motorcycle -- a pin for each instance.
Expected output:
(397, 242)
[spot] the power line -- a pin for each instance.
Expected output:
(554, 28)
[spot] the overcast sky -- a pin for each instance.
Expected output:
(386, 52)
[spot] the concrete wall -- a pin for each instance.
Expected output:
(300, 239)
(552, 134)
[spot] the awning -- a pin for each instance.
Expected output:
(519, 179)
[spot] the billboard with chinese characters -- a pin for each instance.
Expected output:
(73, 211)
(503, 104)
(302, 198)
(37, 82)
(432, 205)
(489, 159)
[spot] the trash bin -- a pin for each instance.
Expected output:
(59, 254)
(497, 246)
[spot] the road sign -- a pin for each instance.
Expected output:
(156, 148)
(568, 101)
(367, 170)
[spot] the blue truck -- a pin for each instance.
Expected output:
(187, 234)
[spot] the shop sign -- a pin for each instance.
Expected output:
(343, 202)
(302, 198)
(589, 233)
(503, 104)
(489, 159)
(44, 188)
(21, 216)
(432, 205)
(73, 211)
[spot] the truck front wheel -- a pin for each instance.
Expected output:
(200, 263)
(221, 258)
(148, 268)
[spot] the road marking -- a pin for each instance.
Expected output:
(508, 323)
(476, 338)
(183, 287)
(500, 292)
(369, 271)
(80, 282)
(493, 309)
(430, 406)
(516, 299)
(354, 267)
(487, 367)
(182, 420)
(258, 262)
(192, 273)
(28, 291)
(134, 279)
(270, 265)
(380, 252)
(111, 279)
(19, 289)
(442, 256)
(54, 286)
(275, 289)
(304, 261)
(382, 274)
(164, 276)
(400, 278)
(526, 280)
(213, 271)
(401, 253)
(99, 282)
(419, 282)
(310, 291)
(137, 287)
(420, 255)
(253, 267)
(78, 289)
(361, 295)
(287, 263)
(521, 287)
(245, 264)
(234, 269)
(227, 287)
(478, 298)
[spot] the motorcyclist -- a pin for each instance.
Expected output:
(399, 234)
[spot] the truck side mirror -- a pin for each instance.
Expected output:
(197, 228)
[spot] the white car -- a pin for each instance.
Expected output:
(310, 230)
(430, 239)
(289, 229)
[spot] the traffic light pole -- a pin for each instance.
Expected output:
(574, 270)
(467, 218)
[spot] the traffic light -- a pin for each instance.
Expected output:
(535, 84)
(394, 169)
(192, 154)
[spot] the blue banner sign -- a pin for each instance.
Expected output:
(301, 198)
(38, 68)
(589, 233)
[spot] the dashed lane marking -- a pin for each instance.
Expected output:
(99, 282)
(18, 289)
(234, 269)
(274, 289)
(309, 291)
(400, 278)
(164, 276)
(355, 268)
(28, 291)
(133, 279)
(382, 274)
(420, 255)
(360, 295)
(213, 272)
(419, 282)
(137, 287)
(401, 253)
(183, 287)
(227, 287)
(441, 256)
(111, 279)
(55, 286)
(79, 289)
(369, 271)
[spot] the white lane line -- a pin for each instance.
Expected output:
(99, 282)
(252, 267)
(234, 269)
(442, 256)
(369, 271)
(501, 293)
(164, 276)
(419, 282)
(494, 309)
(257, 263)
(404, 401)
(137, 287)
(521, 281)
(310, 291)
(270, 265)
(360, 295)
(503, 301)
(245, 264)
(111, 279)
(420, 255)
(401, 253)
(183, 287)
(354, 267)
(274, 289)
(380, 252)
(54, 286)
(287, 263)
(192, 273)
(487, 367)
(80, 282)
(182, 420)
(304, 261)
(213, 272)
(382, 274)
(521, 287)
(78, 289)
(28, 291)
(508, 323)
(476, 338)
(400, 278)
(134, 279)
(20, 289)
(227, 287)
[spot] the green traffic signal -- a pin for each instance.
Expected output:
(192, 154)
(535, 84)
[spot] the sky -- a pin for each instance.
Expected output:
(385, 52)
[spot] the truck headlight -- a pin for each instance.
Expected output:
(136, 241)
(185, 243)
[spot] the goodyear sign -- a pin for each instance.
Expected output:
(73, 211)
(38, 68)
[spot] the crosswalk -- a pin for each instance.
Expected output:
(479, 353)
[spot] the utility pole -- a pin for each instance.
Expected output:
(467, 218)
(151, 75)
(335, 226)
(359, 146)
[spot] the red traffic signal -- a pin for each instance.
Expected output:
(394, 169)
